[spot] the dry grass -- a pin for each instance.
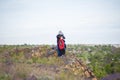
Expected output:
(42, 63)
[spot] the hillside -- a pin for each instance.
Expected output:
(40, 62)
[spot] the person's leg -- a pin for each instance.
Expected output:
(63, 52)
(59, 52)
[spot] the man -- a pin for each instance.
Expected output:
(61, 46)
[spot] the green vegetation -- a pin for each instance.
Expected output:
(18, 62)
(102, 59)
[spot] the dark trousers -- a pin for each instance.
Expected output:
(61, 52)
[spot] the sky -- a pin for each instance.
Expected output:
(39, 21)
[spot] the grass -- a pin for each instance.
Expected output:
(103, 60)
(4, 77)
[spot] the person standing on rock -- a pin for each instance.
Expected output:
(61, 46)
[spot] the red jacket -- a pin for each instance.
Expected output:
(61, 44)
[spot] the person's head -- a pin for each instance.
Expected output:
(60, 33)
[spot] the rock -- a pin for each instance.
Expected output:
(87, 74)
(16, 77)
(31, 78)
(28, 55)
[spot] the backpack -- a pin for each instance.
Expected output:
(61, 44)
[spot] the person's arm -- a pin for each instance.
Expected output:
(63, 36)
